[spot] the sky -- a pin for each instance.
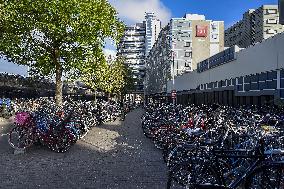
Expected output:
(132, 11)
(229, 11)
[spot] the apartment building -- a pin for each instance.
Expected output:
(158, 63)
(193, 39)
(256, 25)
(136, 44)
(153, 28)
(182, 44)
(132, 47)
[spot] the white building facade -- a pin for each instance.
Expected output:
(132, 48)
(153, 28)
(193, 39)
(256, 26)
(242, 76)
(182, 44)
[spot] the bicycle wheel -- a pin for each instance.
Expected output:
(176, 155)
(64, 142)
(266, 177)
(191, 173)
(20, 138)
(204, 174)
(180, 174)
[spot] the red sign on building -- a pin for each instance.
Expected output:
(201, 31)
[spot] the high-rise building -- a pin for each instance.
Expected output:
(132, 47)
(182, 44)
(153, 28)
(158, 63)
(255, 26)
(136, 44)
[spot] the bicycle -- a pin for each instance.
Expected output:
(27, 131)
(206, 172)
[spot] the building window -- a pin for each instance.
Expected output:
(187, 44)
(188, 54)
(271, 21)
(271, 84)
(271, 31)
(247, 87)
(214, 27)
(272, 75)
(186, 64)
(271, 11)
(254, 86)
(215, 36)
(263, 76)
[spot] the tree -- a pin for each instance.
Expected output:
(95, 72)
(56, 36)
(113, 77)
(128, 77)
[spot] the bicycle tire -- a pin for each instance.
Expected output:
(64, 142)
(266, 177)
(193, 172)
(20, 138)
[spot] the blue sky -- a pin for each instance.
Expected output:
(229, 11)
(132, 11)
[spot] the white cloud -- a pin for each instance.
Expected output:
(133, 11)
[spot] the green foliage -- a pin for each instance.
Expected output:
(56, 35)
(95, 72)
(129, 80)
(113, 77)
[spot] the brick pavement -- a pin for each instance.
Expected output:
(114, 155)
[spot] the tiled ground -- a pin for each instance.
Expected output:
(114, 155)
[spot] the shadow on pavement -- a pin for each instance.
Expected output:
(114, 155)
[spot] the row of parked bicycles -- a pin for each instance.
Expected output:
(5, 108)
(219, 146)
(40, 121)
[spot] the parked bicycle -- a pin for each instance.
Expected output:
(41, 121)
(218, 146)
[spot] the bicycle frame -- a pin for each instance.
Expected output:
(259, 162)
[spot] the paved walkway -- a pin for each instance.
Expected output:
(115, 155)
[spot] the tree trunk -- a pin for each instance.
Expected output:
(119, 97)
(58, 78)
